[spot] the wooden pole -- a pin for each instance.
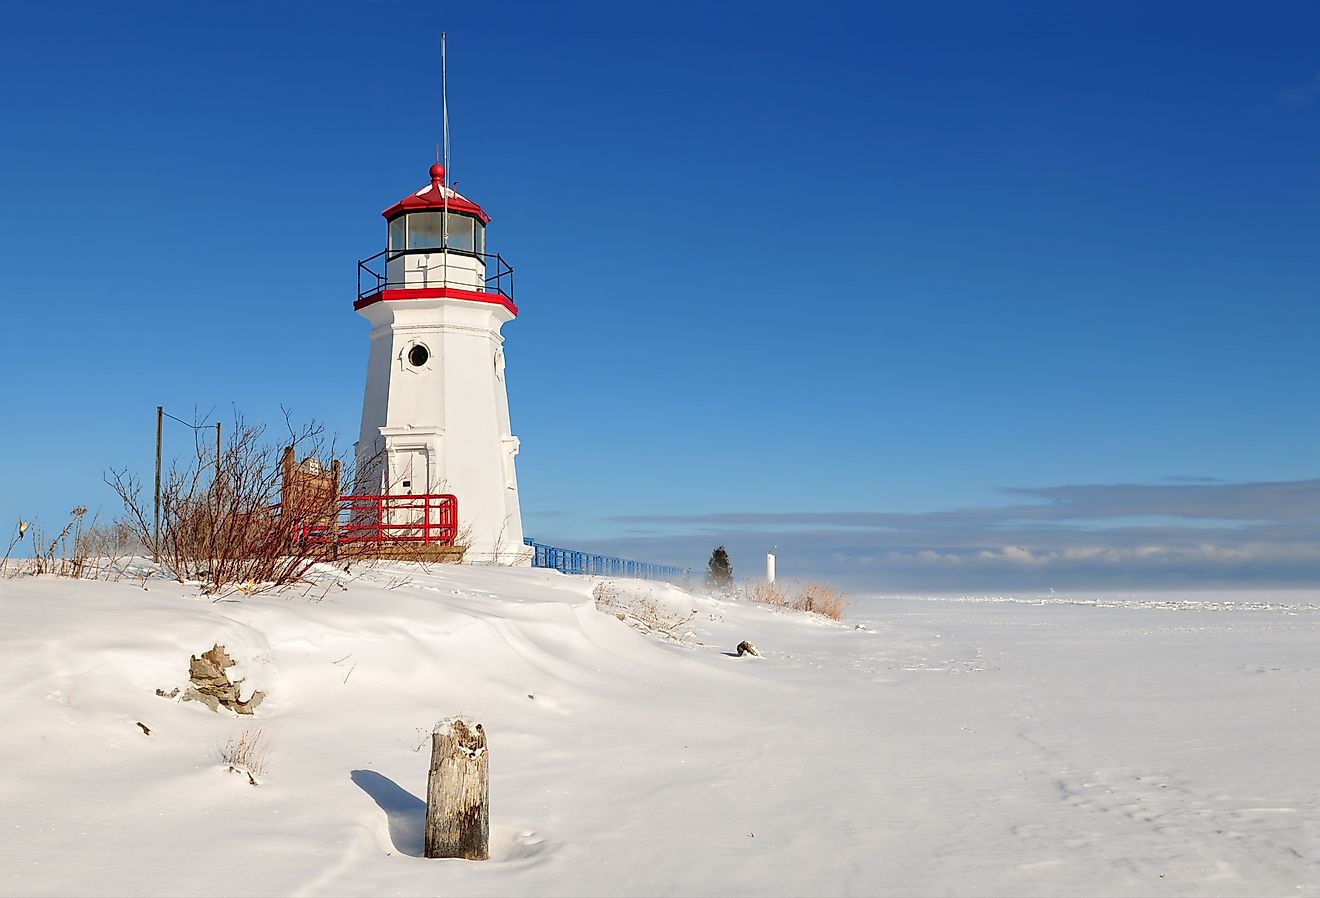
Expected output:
(155, 527)
(457, 792)
(217, 458)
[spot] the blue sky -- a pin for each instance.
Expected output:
(778, 266)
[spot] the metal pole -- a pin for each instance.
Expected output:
(444, 192)
(155, 527)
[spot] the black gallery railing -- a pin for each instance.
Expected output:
(496, 274)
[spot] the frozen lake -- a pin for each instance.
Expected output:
(1118, 745)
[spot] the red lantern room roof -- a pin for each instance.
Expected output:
(433, 197)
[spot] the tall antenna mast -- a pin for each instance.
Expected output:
(444, 130)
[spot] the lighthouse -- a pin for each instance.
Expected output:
(435, 412)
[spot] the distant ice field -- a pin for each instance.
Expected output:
(1288, 600)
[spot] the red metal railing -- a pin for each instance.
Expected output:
(430, 519)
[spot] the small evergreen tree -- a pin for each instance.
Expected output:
(719, 573)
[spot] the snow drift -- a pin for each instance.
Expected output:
(1001, 747)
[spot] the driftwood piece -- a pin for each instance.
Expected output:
(457, 792)
(209, 681)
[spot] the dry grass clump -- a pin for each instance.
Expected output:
(818, 598)
(83, 548)
(247, 753)
(822, 599)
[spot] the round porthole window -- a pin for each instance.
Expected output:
(418, 356)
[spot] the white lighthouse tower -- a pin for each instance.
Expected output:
(435, 414)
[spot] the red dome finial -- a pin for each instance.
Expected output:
(437, 174)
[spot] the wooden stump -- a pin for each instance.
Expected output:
(457, 792)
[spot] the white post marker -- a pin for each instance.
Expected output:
(769, 567)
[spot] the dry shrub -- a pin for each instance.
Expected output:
(642, 611)
(770, 594)
(226, 523)
(817, 598)
(247, 752)
(109, 543)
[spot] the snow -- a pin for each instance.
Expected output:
(1037, 745)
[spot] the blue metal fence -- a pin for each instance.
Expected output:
(572, 561)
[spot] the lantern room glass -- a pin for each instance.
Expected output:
(398, 241)
(425, 230)
(460, 233)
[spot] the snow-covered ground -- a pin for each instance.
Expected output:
(1118, 745)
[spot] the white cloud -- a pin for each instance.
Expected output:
(1201, 533)
(1078, 556)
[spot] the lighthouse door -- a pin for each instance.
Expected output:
(410, 473)
(410, 476)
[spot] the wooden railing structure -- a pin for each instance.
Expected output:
(388, 524)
